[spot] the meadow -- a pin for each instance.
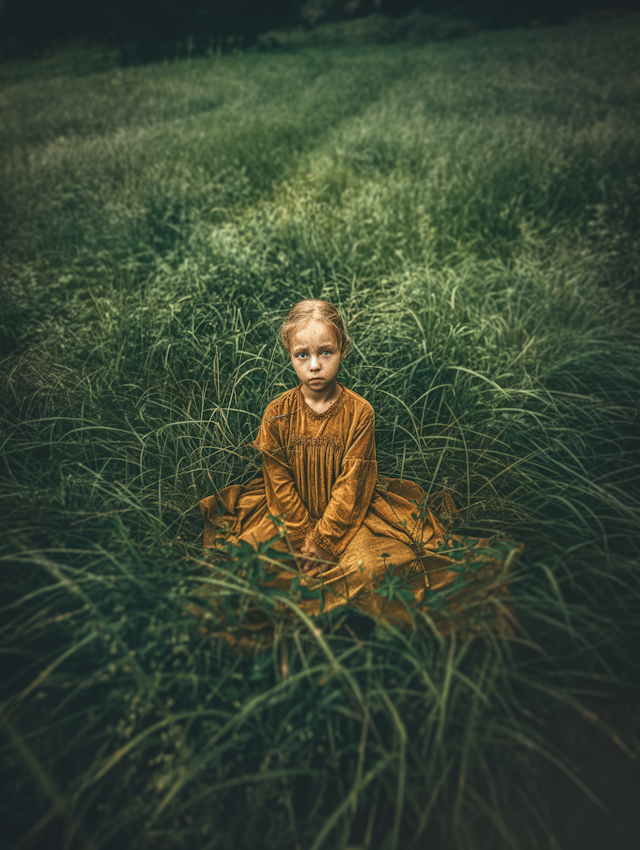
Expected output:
(472, 207)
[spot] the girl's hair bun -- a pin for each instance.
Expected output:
(321, 311)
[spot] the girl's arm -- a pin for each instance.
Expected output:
(351, 493)
(282, 495)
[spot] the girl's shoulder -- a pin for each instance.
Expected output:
(359, 406)
(282, 404)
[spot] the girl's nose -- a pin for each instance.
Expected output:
(313, 365)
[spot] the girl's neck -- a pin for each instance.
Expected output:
(321, 400)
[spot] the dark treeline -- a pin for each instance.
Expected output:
(30, 25)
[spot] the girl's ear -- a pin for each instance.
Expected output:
(345, 349)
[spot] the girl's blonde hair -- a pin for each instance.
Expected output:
(321, 311)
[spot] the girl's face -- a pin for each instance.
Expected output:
(315, 355)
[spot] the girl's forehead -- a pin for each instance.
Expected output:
(313, 332)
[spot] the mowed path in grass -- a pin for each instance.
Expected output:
(472, 148)
(472, 206)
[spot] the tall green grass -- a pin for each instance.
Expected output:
(472, 207)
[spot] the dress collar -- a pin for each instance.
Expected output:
(330, 411)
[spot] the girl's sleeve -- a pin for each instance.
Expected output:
(282, 495)
(352, 491)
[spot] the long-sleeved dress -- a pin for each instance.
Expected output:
(320, 474)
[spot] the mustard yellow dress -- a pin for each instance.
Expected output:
(320, 475)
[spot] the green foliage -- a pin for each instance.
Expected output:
(415, 28)
(472, 207)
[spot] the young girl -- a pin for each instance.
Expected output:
(351, 531)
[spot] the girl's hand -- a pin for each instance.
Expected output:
(310, 553)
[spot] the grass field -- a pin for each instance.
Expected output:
(472, 206)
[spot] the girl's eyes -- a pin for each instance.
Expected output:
(304, 354)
